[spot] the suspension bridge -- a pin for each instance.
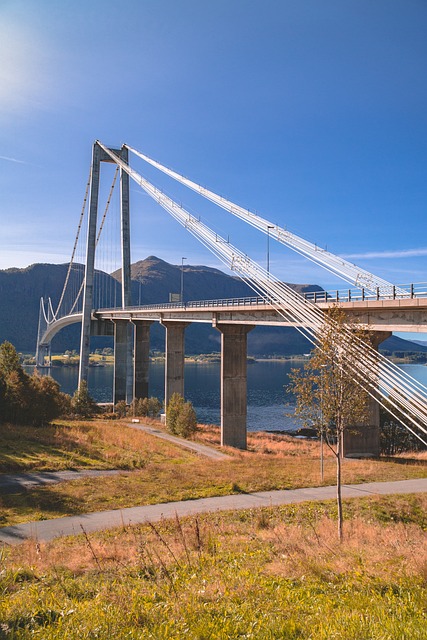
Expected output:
(103, 308)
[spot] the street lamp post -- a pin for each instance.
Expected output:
(182, 280)
(268, 249)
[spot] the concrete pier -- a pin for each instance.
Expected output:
(233, 384)
(363, 440)
(141, 359)
(120, 360)
(175, 354)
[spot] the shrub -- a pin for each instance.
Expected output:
(121, 408)
(180, 416)
(48, 401)
(154, 406)
(82, 404)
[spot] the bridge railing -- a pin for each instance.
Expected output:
(418, 290)
(397, 292)
(197, 304)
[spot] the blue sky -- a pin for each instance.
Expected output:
(312, 112)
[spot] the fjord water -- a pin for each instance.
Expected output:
(268, 400)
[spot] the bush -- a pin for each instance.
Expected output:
(48, 401)
(24, 399)
(82, 404)
(395, 438)
(154, 406)
(121, 408)
(186, 423)
(143, 407)
(180, 417)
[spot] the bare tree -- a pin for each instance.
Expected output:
(329, 392)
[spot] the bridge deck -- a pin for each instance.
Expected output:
(391, 313)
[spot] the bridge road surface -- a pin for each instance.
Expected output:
(43, 531)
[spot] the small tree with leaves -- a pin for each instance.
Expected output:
(9, 359)
(328, 398)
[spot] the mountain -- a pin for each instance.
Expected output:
(20, 293)
(153, 280)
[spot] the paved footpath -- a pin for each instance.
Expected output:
(46, 530)
(201, 449)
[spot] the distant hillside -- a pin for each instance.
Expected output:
(395, 344)
(20, 293)
(153, 280)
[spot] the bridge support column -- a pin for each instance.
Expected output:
(141, 357)
(175, 353)
(364, 439)
(90, 264)
(98, 156)
(123, 383)
(233, 384)
(42, 351)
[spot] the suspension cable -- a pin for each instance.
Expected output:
(101, 226)
(373, 372)
(335, 264)
(82, 213)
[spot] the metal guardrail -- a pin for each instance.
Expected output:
(397, 292)
(418, 290)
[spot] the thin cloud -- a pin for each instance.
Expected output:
(13, 160)
(407, 253)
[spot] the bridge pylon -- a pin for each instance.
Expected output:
(99, 156)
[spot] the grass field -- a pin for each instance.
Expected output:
(157, 471)
(260, 574)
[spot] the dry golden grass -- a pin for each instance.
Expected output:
(97, 444)
(301, 540)
(262, 442)
(264, 573)
(164, 472)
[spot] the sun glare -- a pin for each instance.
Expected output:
(24, 68)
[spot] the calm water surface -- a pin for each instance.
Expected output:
(268, 401)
